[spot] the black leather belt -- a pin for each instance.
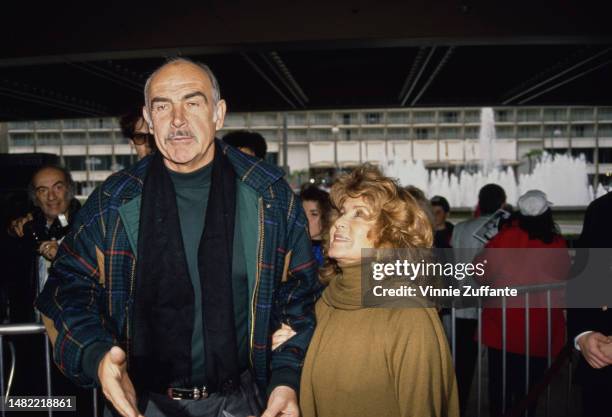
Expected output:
(201, 392)
(195, 393)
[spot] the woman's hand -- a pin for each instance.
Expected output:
(282, 335)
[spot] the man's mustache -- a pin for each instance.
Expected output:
(179, 133)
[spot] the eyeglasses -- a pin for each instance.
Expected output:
(142, 138)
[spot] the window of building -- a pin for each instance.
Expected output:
(264, 119)
(48, 124)
(99, 162)
(424, 117)
(503, 116)
(350, 118)
(471, 132)
(449, 116)
(74, 138)
(296, 119)
(604, 155)
(373, 118)
(398, 118)
(587, 152)
(555, 115)
(472, 116)
(529, 132)
(505, 132)
(398, 133)
(555, 131)
(450, 133)
(235, 120)
(297, 135)
(582, 114)
(422, 133)
(75, 163)
(348, 134)
(528, 115)
(100, 138)
(325, 119)
(22, 139)
(603, 113)
(373, 134)
(319, 134)
(582, 131)
(21, 125)
(48, 139)
(75, 124)
(103, 123)
(605, 131)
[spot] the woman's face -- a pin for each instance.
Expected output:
(351, 231)
(313, 214)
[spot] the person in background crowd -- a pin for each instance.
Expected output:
(317, 208)
(251, 143)
(52, 193)
(135, 128)
(206, 252)
(382, 362)
(533, 230)
(491, 198)
(443, 228)
(422, 201)
(40, 233)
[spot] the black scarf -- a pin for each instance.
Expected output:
(163, 311)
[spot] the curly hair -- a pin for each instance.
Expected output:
(400, 220)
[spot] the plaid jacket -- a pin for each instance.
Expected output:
(89, 293)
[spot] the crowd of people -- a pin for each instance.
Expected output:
(197, 283)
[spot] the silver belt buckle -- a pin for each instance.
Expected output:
(200, 393)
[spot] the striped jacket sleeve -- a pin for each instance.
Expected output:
(72, 297)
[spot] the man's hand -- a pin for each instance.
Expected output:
(116, 384)
(591, 348)
(16, 226)
(282, 402)
(48, 249)
(282, 335)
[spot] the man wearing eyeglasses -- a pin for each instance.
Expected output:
(135, 128)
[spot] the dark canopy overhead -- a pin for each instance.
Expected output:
(61, 60)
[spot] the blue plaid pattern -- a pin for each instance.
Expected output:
(89, 293)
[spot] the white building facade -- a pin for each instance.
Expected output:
(321, 141)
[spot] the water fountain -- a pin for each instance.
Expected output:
(562, 177)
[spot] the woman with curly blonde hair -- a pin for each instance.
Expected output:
(374, 361)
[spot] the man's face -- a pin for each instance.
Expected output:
(140, 140)
(183, 115)
(52, 193)
(439, 216)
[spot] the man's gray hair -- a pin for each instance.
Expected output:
(216, 91)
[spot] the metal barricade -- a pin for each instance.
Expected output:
(525, 291)
(29, 329)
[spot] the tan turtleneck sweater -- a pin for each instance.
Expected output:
(366, 362)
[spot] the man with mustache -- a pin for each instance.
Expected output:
(181, 267)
